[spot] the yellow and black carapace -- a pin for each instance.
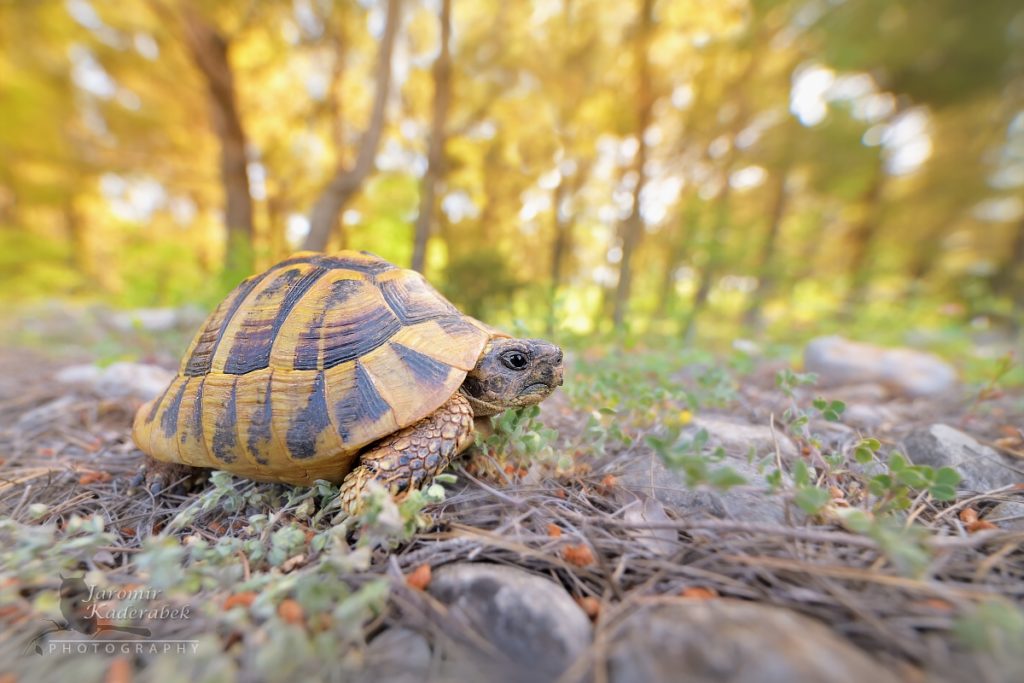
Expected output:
(340, 367)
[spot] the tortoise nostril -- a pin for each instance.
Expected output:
(558, 358)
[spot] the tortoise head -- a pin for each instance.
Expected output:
(513, 373)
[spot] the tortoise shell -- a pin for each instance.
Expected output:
(303, 365)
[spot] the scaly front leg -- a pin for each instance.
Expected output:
(413, 456)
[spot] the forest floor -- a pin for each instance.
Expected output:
(273, 582)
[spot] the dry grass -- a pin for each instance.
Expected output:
(71, 453)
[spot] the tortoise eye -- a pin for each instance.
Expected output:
(514, 360)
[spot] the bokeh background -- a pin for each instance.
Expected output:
(702, 170)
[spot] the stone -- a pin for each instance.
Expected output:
(119, 380)
(644, 511)
(867, 417)
(980, 467)
(398, 655)
(838, 361)
(1008, 515)
(739, 439)
(535, 630)
(731, 641)
(648, 475)
(156, 319)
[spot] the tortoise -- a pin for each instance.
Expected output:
(340, 367)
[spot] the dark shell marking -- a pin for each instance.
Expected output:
(225, 440)
(356, 347)
(308, 423)
(260, 434)
(363, 403)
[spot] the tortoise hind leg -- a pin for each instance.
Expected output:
(160, 476)
(413, 456)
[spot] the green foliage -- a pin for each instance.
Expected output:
(519, 436)
(994, 626)
(787, 380)
(904, 545)
(480, 281)
(695, 458)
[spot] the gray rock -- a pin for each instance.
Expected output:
(399, 655)
(119, 380)
(866, 417)
(739, 439)
(981, 468)
(534, 629)
(838, 361)
(156, 319)
(648, 475)
(647, 511)
(1008, 515)
(730, 641)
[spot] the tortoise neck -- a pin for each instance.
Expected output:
(481, 408)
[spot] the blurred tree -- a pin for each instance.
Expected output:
(346, 180)
(631, 229)
(209, 48)
(432, 176)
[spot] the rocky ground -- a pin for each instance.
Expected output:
(670, 515)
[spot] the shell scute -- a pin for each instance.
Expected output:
(303, 365)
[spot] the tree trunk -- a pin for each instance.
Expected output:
(346, 181)
(1009, 279)
(632, 228)
(861, 241)
(688, 218)
(709, 272)
(435, 146)
(209, 51)
(766, 280)
(565, 191)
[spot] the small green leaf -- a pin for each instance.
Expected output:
(897, 462)
(801, 475)
(811, 499)
(863, 455)
(943, 492)
(725, 478)
(947, 476)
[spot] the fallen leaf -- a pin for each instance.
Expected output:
(937, 604)
(699, 593)
(239, 600)
(609, 481)
(292, 562)
(554, 531)
(217, 527)
(651, 511)
(128, 531)
(580, 555)
(1011, 431)
(968, 515)
(590, 605)
(419, 577)
(980, 525)
(291, 611)
(93, 477)
(120, 671)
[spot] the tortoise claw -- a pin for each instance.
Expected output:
(160, 477)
